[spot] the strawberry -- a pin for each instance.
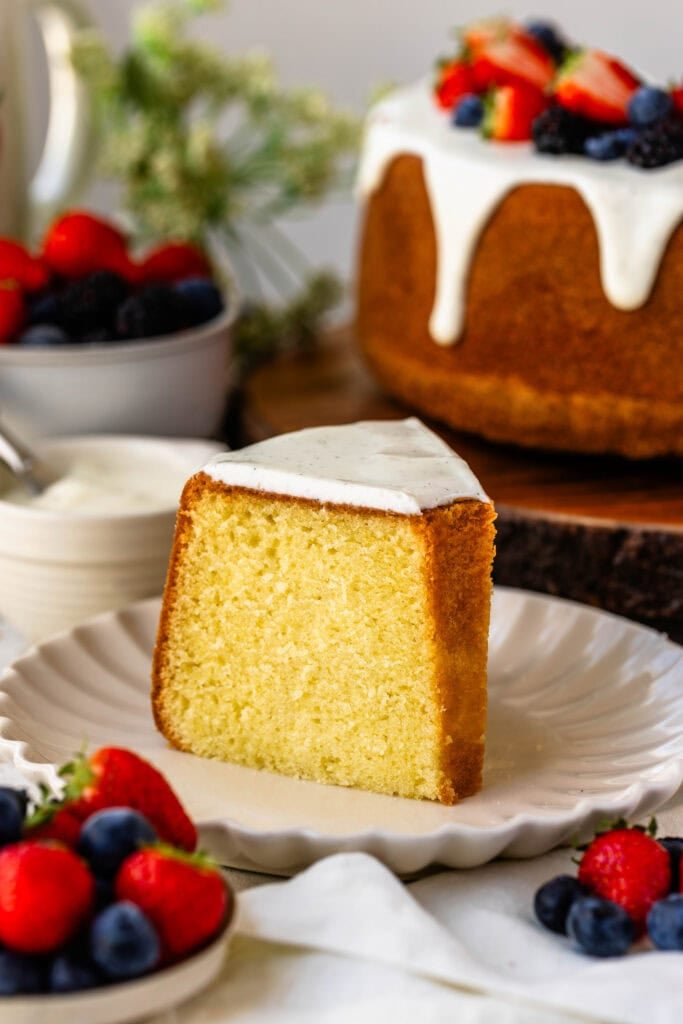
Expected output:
(488, 30)
(114, 777)
(12, 309)
(677, 97)
(184, 896)
(79, 243)
(597, 86)
(511, 111)
(16, 263)
(630, 868)
(174, 261)
(46, 894)
(511, 58)
(454, 80)
(54, 821)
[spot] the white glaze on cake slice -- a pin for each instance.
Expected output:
(634, 211)
(394, 465)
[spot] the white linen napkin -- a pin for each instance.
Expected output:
(345, 941)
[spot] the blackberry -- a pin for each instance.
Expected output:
(558, 131)
(91, 302)
(660, 144)
(155, 310)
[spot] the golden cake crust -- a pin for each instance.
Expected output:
(460, 535)
(545, 359)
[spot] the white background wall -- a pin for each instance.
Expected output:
(348, 46)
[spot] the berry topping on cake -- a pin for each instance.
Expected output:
(513, 58)
(557, 131)
(609, 145)
(649, 105)
(658, 145)
(454, 79)
(550, 38)
(511, 111)
(469, 111)
(597, 86)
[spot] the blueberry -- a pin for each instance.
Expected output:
(70, 972)
(554, 900)
(550, 39)
(649, 105)
(600, 927)
(203, 297)
(43, 336)
(21, 974)
(665, 922)
(608, 146)
(111, 835)
(674, 847)
(123, 942)
(11, 816)
(469, 112)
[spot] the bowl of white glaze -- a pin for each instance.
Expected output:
(100, 536)
(173, 386)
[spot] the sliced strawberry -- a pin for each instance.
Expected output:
(515, 57)
(488, 30)
(597, 86)
(12, 309)
(511, 111)
(454, 80)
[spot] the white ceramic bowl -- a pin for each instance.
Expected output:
(174, 386)
(130, 1000)
(59, 567)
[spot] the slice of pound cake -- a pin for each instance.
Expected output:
(326, 611)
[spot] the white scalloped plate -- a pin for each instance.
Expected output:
(586, 723)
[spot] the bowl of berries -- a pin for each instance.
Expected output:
(95, 339)
(107, 912)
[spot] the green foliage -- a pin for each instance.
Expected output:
(208, 147)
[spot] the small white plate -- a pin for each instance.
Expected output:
(585, 723)
(129, 1000)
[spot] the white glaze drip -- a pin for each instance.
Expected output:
(635, 212)
(394, 465)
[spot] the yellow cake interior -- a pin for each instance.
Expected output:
(327, 642)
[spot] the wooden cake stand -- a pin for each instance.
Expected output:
(604, 531)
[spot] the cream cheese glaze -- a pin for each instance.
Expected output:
(394, 465)
(466, 177)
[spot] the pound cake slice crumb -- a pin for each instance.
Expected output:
(326, 612)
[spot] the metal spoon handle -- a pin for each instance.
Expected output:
(22, 462)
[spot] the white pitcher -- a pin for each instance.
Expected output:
(26, 204)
